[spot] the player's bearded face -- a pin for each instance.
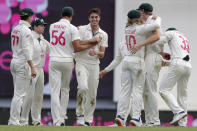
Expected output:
(94, 19)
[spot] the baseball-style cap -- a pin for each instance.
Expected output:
(26, 12)
(146, 7)
(133, 14)
(37, 22)
(67, 11)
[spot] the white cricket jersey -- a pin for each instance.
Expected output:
(40, 48)
(178, 43)
(86, 34)
(122, 51)
(137, 33)
(62, 33)
(152, 48)
(22, 42)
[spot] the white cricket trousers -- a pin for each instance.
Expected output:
(132, 84)
(33, 99)
(88, 79)
(59, 79)
(21, 78)
(153, 65)
(178, 73)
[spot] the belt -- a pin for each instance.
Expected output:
(186, 58)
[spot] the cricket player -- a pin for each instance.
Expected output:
(133, 69)
(21, 67)
(33, 99)
(87, 68)
(153, 61)
(64, 37)
(178, 73)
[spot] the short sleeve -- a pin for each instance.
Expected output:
(74, 33)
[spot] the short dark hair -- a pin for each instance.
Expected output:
(171, 28)
(67, 11)
(94, 10)
(24, 17)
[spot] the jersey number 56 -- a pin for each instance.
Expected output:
(58, 38)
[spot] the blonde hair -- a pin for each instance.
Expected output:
(137, 21)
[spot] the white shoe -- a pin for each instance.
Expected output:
(80, 121)
(178, 117)
(136, 122)
(119, 121)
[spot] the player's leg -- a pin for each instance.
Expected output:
(90, 103)
(182, 93)
(167, 83)
(125, 95)
(28, 99)
(82, 80)
(153, 66)
(21, 76)
(55, 85)
(138, 77)
(38, 99)
(65, 88)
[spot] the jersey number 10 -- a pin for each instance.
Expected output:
(130, 41)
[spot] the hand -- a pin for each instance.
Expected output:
(33, 73)
(135, 48)
(97, 39)
(92, 52)
(165, 56)
(102, 73)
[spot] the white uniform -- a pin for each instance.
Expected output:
(21, 40)
(153, 62)
(33, 99)
(178, 72)
(133, 72)
(62, 33)
(87, 72)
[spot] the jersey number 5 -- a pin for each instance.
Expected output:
(130, 42)
(58, 38)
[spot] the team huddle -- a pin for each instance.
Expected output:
(141, 54)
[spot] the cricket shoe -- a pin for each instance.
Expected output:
(80, 121)
(177, 117)
(119, 121)
(136, 122)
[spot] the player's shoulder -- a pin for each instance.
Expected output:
(103, 32)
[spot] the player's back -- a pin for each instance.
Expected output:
(179, 44)
(20, 42)
(61, 37)
(132, 37)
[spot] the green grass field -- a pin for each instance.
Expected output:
(93, 128)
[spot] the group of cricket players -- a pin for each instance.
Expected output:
(141, 54)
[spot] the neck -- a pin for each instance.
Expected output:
(94, 28)
(67, 18)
